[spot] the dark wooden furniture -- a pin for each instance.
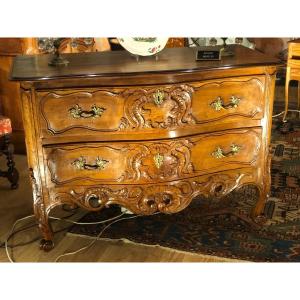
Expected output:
(148, 135)
(7, 148)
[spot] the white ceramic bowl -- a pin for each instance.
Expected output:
(143, 46)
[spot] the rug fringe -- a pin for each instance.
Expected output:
(205, 257)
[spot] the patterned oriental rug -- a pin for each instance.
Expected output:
(223, 227)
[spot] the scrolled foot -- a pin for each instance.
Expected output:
(46, 245)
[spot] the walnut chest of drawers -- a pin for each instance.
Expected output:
(148, 135)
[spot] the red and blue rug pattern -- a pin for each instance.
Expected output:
(223, 227)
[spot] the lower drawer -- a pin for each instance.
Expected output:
(152, 161)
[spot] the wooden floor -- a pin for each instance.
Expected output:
(15, 204)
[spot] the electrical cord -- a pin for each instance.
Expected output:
(95, 240)
(2, 245)
(68, 208)
(12, 232)
(89, 223)
(33, 240)
(274, 116)
(290, 110)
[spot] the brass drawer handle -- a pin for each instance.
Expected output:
(218, 104)
(80, 164)
(158, 97)
(77, 112)
(220, 153)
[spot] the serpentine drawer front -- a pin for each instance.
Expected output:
(153, 161)
(143, 109)
(148, 136)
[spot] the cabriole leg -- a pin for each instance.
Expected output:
(41, 213)
(257, 212)
(264, 188)
(46, 243)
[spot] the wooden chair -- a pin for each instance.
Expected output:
(292, 71)
(6, 147)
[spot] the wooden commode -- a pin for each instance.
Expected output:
(149, 135)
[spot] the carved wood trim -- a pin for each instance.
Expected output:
(169, 197)
(34, 158)
(40, 211)
(175, 161)
(177, 100)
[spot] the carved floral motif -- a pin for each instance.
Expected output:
(169, 197)
(166, 107)
(163, 161)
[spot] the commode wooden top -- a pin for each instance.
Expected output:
(120, 63)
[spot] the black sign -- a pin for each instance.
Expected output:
(208, 55)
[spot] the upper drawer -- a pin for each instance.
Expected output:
(153, 110)
(152, 161)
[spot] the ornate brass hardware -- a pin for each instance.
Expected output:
(95, 112)
(158, 160)
(218, 104)
(219, 152)
(158, 97)
(81, 164)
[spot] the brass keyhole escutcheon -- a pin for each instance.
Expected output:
(158, 160)
(158, 97)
